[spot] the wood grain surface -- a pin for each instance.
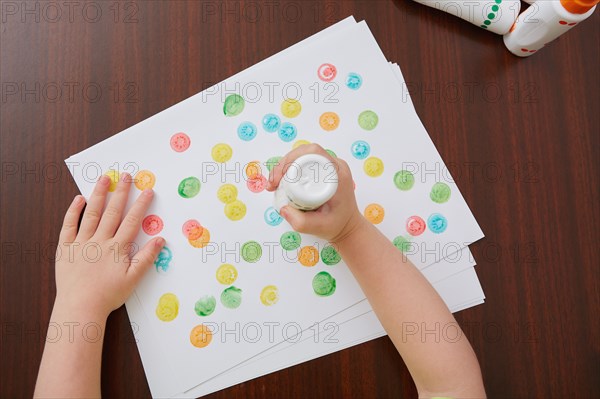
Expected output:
(521, 137)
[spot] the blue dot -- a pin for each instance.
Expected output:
(437, 223)
(287, 132)
(163, 260)
(271, 123)
(272, 217)
(246, 131)
(360, 149)
(354, 81)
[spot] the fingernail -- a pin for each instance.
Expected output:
(77, 200)
(148, 192)
(283, 212)
(124, 176)
(160, 242)
(104, 180)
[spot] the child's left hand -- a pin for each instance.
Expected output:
(96, 270)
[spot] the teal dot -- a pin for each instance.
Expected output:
(491, 15)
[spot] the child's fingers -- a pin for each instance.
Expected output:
(303, 222)
(93, 210)
(68, 232)
(111, 218)
(132, 223)
(284, 163)
(144, 259)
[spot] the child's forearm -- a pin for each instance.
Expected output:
(413, 314)
(70, 366)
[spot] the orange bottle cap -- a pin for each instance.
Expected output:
(578, 6)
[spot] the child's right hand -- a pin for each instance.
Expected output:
(336, 219)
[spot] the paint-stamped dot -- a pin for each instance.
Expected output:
(234, 105)
(201, 336)
(403, 244)
(221, 152)
(113, 175)
(354, 81)
(404, 180)
(227, 274)
(231, 297)
(291, 108)
(227, 193)
(247, 131)
(152, 225)
(373, 167)
(360, 149)
(330, 256)
(415, 226)
(257, 184)
(253, 169)
(437, 223)
(202, 240)
(271, 123)
(327, 72)
(167, 308)
(329, 121)
(269, 295)
(308, 256)
(323, 284)
(272, 217)
(440, 193)
(287, 132)
(180, 142)
(235, 210)
(298, 143)
(290, 240)
(189, 187)
(163, 260)
(368, 120)
(251, 251)
(144, 180)
(205, 306)
(192, 229)
(374, 213)
(272, 162)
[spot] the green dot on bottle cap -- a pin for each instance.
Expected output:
(251, 251)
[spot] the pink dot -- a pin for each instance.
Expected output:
(192, 229)
(415, 225)
(152, 225)
(180, 142)
(257, 184)
(327, 72)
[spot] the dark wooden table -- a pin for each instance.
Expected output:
(520, 135)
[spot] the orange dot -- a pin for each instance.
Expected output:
(201, 336)
(202, 240)
(329, 121)
(253, 169)
(308, 256)
(512, 28)
(144, 180)
(374, 213)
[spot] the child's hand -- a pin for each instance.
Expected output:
(96, 270)
(336, 219)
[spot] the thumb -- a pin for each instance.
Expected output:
(302, 222)
(144, 259)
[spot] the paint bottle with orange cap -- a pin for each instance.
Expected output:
(543, 22)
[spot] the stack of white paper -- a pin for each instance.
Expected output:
(261, 309)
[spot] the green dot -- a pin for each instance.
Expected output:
(290, 240)
(495, 8)
(234, 105)
(498, 1)
(330, 256)
(402, 244)
(331, 153)
(272, 162)
(205, 306)
(189, 187)
(231, 297)
(368, 120)
(404, 180)
(323, 284)
(440, 193)
(487, 22)
(484, 27)
(251, 251)
(491, 15)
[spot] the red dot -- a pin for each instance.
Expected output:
(562, 22)
(532, 51)
(415, 225)
(180, 142)
(152, 225)
(192, 229)
(327, 72)
(257, 184)
(524, 50)
(573, 24)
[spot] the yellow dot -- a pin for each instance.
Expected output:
(308, 256)
(235, 210)
(329, 121)
(221, 152)
(374, 213)
(114, 179)
(253, 169)
(201, 336)
(291, 108)
(373, 167)
(269, 295)
(299, 143)
(144, 180)
(168, 307)
(226, 274)
(201, 241)
(227, 193)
